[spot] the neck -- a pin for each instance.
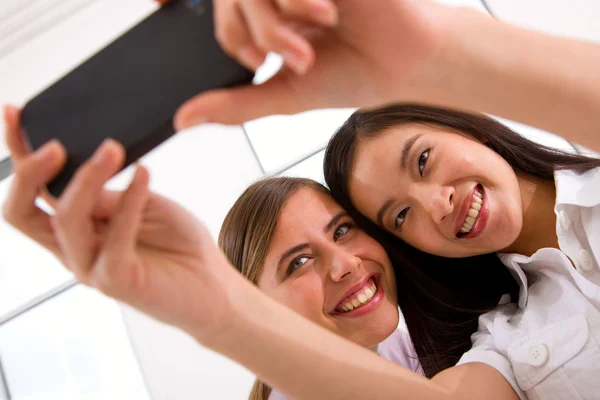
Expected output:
(538, 197)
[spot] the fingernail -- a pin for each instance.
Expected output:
(295, 62)
(326, 12)
(140, 174)
(100, 154)
(184, 123)
(50, 147)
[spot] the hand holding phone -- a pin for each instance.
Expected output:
(131, 89)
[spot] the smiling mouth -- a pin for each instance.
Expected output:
(358, 299)
(473, 213)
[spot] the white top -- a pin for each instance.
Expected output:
(548, 346)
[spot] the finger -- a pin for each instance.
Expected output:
(15, 140)
(73, 221)
(116, 263)
(322, 12)
(124, 226)
(31, 174)
(232, 33)
(162, 2)
(17, 144)
(238, 105)
(270, 33)
(107, 203)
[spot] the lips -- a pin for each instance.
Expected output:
(359, 294)
(473, 215)
(359, 298)
(355, 288)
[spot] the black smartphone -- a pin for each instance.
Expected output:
(130, 90)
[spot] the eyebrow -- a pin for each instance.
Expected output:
(406, 149)
(303, 246)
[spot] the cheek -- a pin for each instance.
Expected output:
(304, 295)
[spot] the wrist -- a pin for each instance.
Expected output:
(237, 303)
(440, 80)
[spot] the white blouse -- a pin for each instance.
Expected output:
(548, 346)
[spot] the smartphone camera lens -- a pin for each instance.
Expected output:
(197, 6)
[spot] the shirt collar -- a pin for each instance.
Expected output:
(578, 188)
(511, 261)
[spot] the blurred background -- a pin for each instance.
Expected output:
(61, 340)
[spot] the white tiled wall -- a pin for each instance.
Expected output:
(74, 346)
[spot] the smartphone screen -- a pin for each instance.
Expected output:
(131, 89)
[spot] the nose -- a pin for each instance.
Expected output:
(344, 263)
(440, 203)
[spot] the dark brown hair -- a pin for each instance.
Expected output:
(248, 228)
(441, 298)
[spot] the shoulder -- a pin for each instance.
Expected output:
(476, 380)
(399, 349)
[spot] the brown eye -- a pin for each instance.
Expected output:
(423, 161)
(296, 263)
(341, 231)
(400, 218)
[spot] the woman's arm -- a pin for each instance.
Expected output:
(408, 51)
(305, 361)
(544, 81)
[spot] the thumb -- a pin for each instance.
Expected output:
(240, 104)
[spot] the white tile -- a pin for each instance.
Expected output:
(311, 168)
(464, 3)
(74, 346)
(26, 269)
(279, 141)
(573, 18)
(3, 149)
(177, 367)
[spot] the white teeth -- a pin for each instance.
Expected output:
(473, 213)
(362, 298)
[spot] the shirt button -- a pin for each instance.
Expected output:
(538, 355)
(587, 262)
(563, 221)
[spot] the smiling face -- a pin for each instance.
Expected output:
(440, 191)
(323, 267)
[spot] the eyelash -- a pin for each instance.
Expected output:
(421, 164)
(292, 266)
(423, 157)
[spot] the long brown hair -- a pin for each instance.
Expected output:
(445, 297)
(248, 228)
